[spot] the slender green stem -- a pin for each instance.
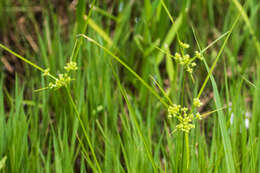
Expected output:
(202, 51)
(132, 114)
(182, 155)
(248, 23)
(214, 42)
(79, 42)
(211, 112)
(105, 13)
(85, 153)
(187, 149)
(171, 18)
(127, 67)
(25, 60)
(217, 58)
(74, 49)
(22, 58)
(161, 89)
(84, 130)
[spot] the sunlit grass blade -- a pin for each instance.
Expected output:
(100, 31)
(105, 13)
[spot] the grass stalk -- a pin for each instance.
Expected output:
(84, 129)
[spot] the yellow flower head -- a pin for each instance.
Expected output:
(197, 102)
(184, 45)
(71, 66)
(198, 55)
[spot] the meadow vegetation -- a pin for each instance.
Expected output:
(129, 86)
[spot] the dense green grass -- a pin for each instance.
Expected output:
(113, 116)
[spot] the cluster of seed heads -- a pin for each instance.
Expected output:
(185, 59)
(62, 79)
(185, 116)
(71, 66)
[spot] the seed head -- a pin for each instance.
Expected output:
(197, 102)
(198, 55)
(63, 80)
(198, 116)
(189, 69)
(173, 110)
(184, 45)
(71, 66)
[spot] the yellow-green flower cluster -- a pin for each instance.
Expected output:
(185, 116)
(197, 102)
(184, 45)
(62, 79)
(173, 110)
(198, 55)
(185, 59)
(71, 66)
(198, 116)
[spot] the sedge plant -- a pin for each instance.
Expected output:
(185, 116)
(61, 81)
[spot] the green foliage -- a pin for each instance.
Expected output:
(125, 81)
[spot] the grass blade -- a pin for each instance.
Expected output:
(128, 68)
(222, 123)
